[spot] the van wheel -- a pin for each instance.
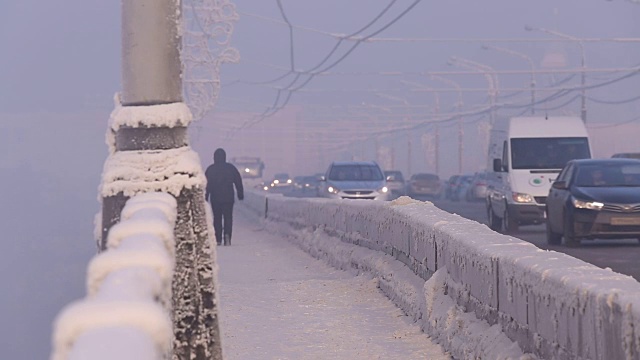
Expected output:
(552, 238)
(510, 226)
(495, 223)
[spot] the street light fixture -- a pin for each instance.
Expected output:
(492, 79)
(458, 110)
(436, 94)
(531, 64)
(583, 110)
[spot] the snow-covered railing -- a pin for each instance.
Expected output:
(126, 313)
(553, 305)
(255, 202)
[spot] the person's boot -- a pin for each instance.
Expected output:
(227, 239)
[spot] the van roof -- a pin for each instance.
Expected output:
(552, 126)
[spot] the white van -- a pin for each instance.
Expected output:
(527, 153)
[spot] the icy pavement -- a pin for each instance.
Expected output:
(277, 302)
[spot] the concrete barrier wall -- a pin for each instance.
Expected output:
(551, 304)
(126, 313)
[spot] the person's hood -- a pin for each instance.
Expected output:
(219, 156)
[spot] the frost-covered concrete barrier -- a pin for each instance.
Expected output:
(550, 304)
(126, 314)
(257, 202)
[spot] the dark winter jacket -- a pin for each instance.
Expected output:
(221, 177)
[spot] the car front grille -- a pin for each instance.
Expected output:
(359, 198)
(358, 192)
(541, 199)
(631, 208)
(619, 228)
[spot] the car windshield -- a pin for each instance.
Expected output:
(609, 175)
(355, 173)
(547, 153)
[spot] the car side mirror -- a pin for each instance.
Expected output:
(390, 178)
(560, 185)
(323, 178)
(497, 165)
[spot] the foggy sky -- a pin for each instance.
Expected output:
(60, 67)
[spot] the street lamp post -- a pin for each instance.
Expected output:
(489, 74)
(436, 110)
(531, 64)
(436, 95)
(583, 62)
(408, 120)
(458, 107)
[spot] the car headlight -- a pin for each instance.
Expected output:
(384, 189)
(276, 181)
(522, 198)
(266, 188)
(289, 181)
(247, 170)
(332, 190)
(591, 205)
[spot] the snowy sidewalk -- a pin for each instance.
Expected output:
(277, 302)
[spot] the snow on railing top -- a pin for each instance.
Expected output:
(125, 314)
(168, 171)
(164, 115)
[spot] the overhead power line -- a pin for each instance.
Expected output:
(449, 72)
(441, 40)
(292, 87)
(614, 102)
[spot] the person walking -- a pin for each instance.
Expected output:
(221, 177)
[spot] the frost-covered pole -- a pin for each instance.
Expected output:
(150, 52)
(150, 152)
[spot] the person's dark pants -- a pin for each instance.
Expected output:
(222, 214)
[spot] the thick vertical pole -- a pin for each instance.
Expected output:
(151, 66)
(460, 144)
(376, 148)
(151, 78)
(320, 151)
(393, 155)
(409, 145)
(583, 109)
(437, 152)
(533, 94)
